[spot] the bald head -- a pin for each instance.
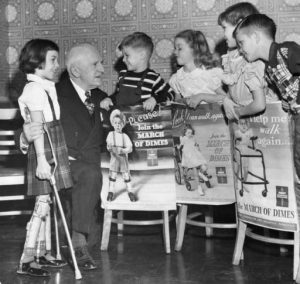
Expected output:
(84, 65)
(78, 54)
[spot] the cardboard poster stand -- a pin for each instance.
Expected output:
(209, 181)
(151, 169)
(264, 179)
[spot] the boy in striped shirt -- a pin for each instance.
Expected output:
(138, 84)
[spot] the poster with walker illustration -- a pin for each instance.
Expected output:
(264, 172)
(138, 166)
(202, 156)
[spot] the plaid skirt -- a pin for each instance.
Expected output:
(62, 174)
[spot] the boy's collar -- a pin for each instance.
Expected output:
(142, 72)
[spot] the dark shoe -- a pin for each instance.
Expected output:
(132, 197)
(84, 259)
(110, 196)
(44, 262)
(27, 269)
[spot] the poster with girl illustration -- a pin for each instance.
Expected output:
(202, 155)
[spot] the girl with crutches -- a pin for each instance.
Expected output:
(39, 61)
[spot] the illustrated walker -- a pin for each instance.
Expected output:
(254, 154)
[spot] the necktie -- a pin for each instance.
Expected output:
(88, 103)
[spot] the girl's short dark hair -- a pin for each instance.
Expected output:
(198, 43)
(33, 54)
(235, 13)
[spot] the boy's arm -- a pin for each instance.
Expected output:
(257, 105)
(294, 59)
(293, 62)
(162, 90)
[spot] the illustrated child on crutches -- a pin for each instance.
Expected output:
(39, 61)
(119, 145)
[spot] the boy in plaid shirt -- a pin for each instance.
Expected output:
(255, 36)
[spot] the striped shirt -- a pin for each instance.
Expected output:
(153, 85)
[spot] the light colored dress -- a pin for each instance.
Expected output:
(200, 80)
(242, 77)
(191, 155)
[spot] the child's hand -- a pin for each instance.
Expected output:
(109, 147)
(194, 101)
(295, 108)
(43, 170)
(149, 104)
(229, 105)
(106, 103)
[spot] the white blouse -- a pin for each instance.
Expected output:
(35, 98)
(200, 80)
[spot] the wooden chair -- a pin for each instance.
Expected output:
(148, 202)
(243, 231)
(12, 161)
(183, 218)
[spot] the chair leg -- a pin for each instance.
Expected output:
(166, 230)
(209, 219)
(239, 243)
(181, 222)
(106, 229)
(120, 223)
(296, 257)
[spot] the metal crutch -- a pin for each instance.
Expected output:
(58, 254)
(53, 183)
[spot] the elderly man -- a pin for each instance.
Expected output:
(80, 100)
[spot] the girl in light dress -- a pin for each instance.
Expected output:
(246, 84)
(199, 78)
(192, 156)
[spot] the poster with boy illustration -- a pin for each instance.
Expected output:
(202, 155)
(138, 166)
(263, 167)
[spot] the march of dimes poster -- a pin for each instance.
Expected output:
(151, 162)
(264, 173)
(203, 160)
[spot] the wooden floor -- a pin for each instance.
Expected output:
(138, 258)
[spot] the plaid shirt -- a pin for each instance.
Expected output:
(283, 71)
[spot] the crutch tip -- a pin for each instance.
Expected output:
(78, 275)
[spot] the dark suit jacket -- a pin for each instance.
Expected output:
(84, 135)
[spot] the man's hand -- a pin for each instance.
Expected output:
(106, 103)
(149, 104)
(33, 130)
(229, 107)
